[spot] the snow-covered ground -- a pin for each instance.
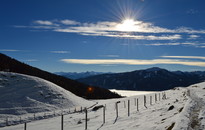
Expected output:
(184, 109)
(21, 96)
(129, 93)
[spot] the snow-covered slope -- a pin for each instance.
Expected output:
(23, 94)
(184, 109)
(129, 93)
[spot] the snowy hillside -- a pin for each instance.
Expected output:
(184, 108)
(22, 94)
(128, 93)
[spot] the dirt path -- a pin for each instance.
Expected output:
(195, 122)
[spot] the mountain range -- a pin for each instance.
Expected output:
(79, 89)
(152, 79)
(75, 75)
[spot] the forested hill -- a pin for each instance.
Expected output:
(79, 89)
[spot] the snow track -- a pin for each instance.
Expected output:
(198, 106)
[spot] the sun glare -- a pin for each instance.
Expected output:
(127, 25)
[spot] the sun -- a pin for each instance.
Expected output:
(127, 25)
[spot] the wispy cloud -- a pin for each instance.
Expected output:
(69, 22)
(194, 44)
(172, 44)
(138, 30)
(133, 62)
(185, 57)
(45, 22)
(93, 32)
(31, 60)
(109, 55)
(60, 52)
(193, 36)
(192, 11)
(9, 50)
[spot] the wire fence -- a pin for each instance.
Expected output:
(13, 120)
(117, 109)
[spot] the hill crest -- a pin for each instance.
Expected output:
(79, 89)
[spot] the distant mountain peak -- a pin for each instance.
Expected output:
(154, 69)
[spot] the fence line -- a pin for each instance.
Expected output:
(80, 109)
(36, 116)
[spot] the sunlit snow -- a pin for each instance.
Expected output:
(183, 108)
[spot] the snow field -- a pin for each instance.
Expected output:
(184, 108)
(154, 115)
(129, 93)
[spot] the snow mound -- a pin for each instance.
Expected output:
(21, 94)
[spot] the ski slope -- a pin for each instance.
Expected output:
(184, 108)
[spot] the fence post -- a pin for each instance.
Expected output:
(188, 93)
(20, 119)
(155, 97)
(86, 118)
(7, 121)
(104, 115)
(61, 122)
(44, 115)
(25, 126)
(34, 116)
(137, 105)
(165, 97)
(145, 101)
(150, 100)
(116, 107)
(128, 106)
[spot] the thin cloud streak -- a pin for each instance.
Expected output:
(60, 52)
(121, 35)
(196, 44)
(185, 57)
(31, 60)
(132, 62)
(44, 22)
(193, 37)
(9, 50)
(69, 22)
(109, 55)
(172, 44)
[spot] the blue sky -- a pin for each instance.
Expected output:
(104, 35)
